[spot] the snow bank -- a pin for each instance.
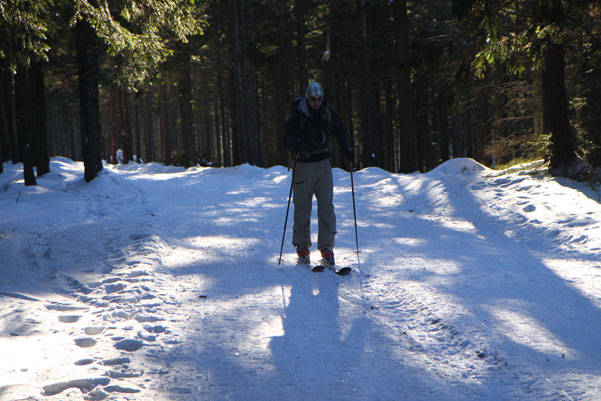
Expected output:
(459, 166)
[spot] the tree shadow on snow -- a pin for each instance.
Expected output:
(516, 316)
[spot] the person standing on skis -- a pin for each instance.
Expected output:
(307, 135)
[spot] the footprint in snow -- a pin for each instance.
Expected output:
(64, 307)
(93, 330)
(84, 362)
(115, 361)
(85, 342)
(156, 329)
(85, 385)
(128, 344)
(123, 373)
(89, 387)
(529, 208)
(112, 288)
(69, 318)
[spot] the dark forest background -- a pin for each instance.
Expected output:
(210, 82)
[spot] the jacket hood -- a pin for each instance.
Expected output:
(303, 106)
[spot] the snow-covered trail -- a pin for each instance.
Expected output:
(154, 283)
(476, 277)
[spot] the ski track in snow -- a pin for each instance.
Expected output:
(157, 283)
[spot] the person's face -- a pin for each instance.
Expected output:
(315, 102)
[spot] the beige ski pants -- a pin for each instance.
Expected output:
(309, 179)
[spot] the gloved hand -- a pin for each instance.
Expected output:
(293, 145)
(350, 156)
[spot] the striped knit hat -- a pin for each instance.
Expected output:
(314, 89)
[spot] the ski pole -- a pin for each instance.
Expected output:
(287, 210)
(355, 214)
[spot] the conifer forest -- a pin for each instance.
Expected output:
(210, 82)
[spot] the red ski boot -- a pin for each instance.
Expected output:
(303, 254)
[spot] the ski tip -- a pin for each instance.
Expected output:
(344, 271)
(341, 271)
(313, 268)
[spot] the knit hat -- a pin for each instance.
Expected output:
(314, 89)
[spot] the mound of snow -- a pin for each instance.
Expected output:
(460, 165)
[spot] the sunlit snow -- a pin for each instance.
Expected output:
(162, 283)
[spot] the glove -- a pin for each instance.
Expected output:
(293, 145)
(350, 156)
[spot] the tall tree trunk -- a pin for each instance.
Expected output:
(301, 32)
(165, 137)
(39, 139)
(482, 125)
(75, 137)
(241, 88)
(257, 124)
(7, 117)
(222, 125)
(389, 155)
(555, 106)
(4, 149)
(254, 116)
(7, 93)
(124, 126)
(443, 136)
(185, 110)
(149, 147)
(89, 106)
(369, 155)
(4, 123)
(24, 122)
(590, 116)
(113, 124)
(407, 123)
(137, 129)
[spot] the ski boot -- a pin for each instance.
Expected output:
(304, 256)
(327, 256)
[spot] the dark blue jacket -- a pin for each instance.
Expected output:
(308, 132)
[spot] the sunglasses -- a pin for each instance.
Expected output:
(315, 99)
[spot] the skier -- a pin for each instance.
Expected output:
(307, 135)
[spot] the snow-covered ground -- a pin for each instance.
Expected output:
(159, 283)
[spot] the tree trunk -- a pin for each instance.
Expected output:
(89, 110)
(24, 122)
(137, 129)
(301, 32)
(185, 110)
(113, 124)
(4, 123)
(165, 137)
(591, 118)
(150, 152)
(241, 87)
(407, 123)
(482, 125)
(8, 136)
(124, 127)
(256, 130)
(369, 155)
(389, 155)
(555, 106)
(39, 138)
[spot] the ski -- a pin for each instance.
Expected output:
(340, 270)
(313, 268)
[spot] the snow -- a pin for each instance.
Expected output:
(163, 283)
